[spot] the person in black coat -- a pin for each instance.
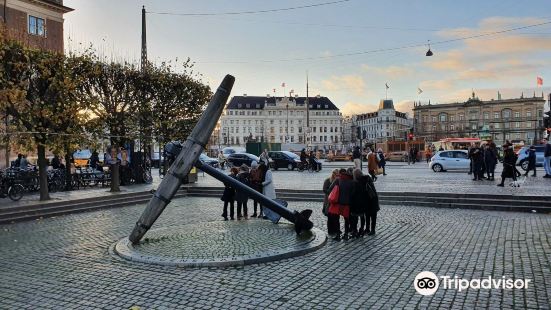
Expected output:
(477, 158)
(228, 197)
(359, 203)
(531, 160)
(509, 162)
(372, 207)
(241, 197)
(490, 160)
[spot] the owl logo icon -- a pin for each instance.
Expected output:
(426, 283)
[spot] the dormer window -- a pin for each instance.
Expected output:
(239, 105)
(247, 105)
(258, 105)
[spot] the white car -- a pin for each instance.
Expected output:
(450, 160)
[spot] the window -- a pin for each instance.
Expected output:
(36, 26)
(460, 155)
(517, 124)
(452, 127)
(496, 115)
(517, 114)
(445, 154)
(443, 117)
(506, 113)
(434, 119)
(486, 115)
(528, 124)
(528, 113)
(461, 117)
(496, 125)
(540, 113)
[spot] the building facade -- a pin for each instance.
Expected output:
(516, 120)
(282, 120)
(386, 124)
(38, 23)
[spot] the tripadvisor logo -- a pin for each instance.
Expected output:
(427, 283)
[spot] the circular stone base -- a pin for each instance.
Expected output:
(220, 244)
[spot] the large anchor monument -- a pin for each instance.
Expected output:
(188, 158)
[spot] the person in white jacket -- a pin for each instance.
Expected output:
(268, 189)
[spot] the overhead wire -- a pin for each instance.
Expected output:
(253, 12)
(356, 53)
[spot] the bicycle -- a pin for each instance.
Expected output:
(9, 186)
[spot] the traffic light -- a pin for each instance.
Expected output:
(359, 132)
(364, 134)
(547, 119)
(410, 136)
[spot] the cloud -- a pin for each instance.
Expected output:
(391, 71)
(511, 43)
(437, 85)
(450, 60)
(352, 108)
(355, 83)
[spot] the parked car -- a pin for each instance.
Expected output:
(397, 156)
(213, 162)
(522, 160)
(227, 151)
(284, 159)
(450, 160)
(238, 159)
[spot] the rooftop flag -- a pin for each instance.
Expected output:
(283, 84)
(539, 81)
(419, 90)
(386, 84)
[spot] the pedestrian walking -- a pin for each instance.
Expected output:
(221, 160)
(372, 164)
(411, 157)
(228, 197)
(340, 193)
(265, 158)
(531, 160)
(428, 154)
(357, 157)
(381, 159)
(256, 183)
(509, 162)
(547, 158)
(240, 196)
(332, 219)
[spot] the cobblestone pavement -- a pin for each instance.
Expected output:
(64, 263)
(412, 178)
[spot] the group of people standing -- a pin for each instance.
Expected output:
(350, 194)
(259, 178)
(483, 160)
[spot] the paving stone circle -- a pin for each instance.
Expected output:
(220, 244)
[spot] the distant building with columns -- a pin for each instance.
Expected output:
(282, 120)
(517, 119)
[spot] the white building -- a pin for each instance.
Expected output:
(385, 124)
(282, 120)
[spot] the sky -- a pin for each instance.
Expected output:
(349, 49)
